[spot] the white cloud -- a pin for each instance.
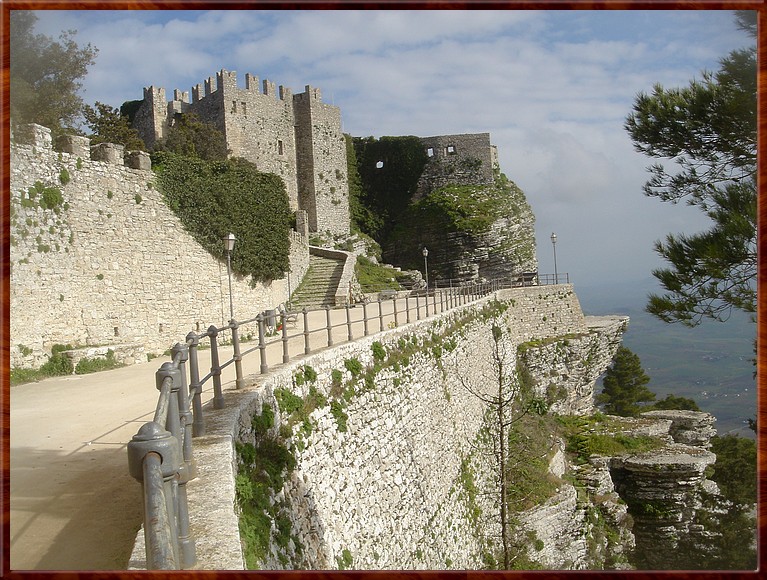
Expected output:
(553, 89)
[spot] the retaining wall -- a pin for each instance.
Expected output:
(114, 265)
(388, 489)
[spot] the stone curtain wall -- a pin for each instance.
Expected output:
(388, 489)
(297, 137)
(467, 159)
(115, 265)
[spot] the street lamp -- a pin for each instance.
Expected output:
(554, 245)
(426, 271)
(229, 246)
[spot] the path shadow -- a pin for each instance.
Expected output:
(73, 511)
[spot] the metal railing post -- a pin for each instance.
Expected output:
(365, 317)
(198, 424)
(215, 369)
(307, 348)
(262, 342)
(380, 315)
(285, 353)
(153, 460)
(239, 381)
(330, 328)
(417, 308)
(407, 308)
(177, 503)
(185, 414)
(349, 323)
(396, 321)
(427, 302)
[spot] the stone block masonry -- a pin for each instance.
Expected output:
(467, 159)
(387, 489)
(111, 263)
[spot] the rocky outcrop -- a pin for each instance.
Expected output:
(564, 369)
(688, 427)
(630, 510)
(661, 490)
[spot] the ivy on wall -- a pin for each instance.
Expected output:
(214, 198)
(389, 168)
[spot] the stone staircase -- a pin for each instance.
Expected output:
(318, 288)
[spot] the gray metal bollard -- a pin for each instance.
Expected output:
(307, 348)
(198, 425)
(285, 353)
(262, 343)
(239, 381)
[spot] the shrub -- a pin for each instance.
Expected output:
(379, 352)
(93, 365)
(337, 410)
(263, 422)
(345, 562)
(354, 366)
(58, 363)
(288, 402)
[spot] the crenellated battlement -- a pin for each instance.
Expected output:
(310, 94)
(39, 138)
(226, 82)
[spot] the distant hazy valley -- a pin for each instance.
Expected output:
(712, 363)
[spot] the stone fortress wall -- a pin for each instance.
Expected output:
(114, 265)
(468, 159)
(297, 137)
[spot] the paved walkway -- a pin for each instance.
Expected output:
(73, 504)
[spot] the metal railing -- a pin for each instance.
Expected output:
(160, 454)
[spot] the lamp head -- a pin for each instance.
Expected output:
(553, 238)
(425, 252)
(229, 242)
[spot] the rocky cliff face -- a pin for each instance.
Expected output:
(473, 232)
(564, 369)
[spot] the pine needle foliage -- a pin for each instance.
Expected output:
(625, 385)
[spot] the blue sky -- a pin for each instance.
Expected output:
(552, 88)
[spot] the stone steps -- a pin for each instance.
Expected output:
(318, 288)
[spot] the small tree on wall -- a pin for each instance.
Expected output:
(509, 400)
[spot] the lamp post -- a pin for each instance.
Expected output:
(554, 245)
(426, 272)
(229, 246)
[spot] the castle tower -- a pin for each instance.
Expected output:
(151, 120)
(463, 159)
(323, 186)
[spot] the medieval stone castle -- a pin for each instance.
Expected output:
(297, 137)
(101, 265)
(300, 138)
